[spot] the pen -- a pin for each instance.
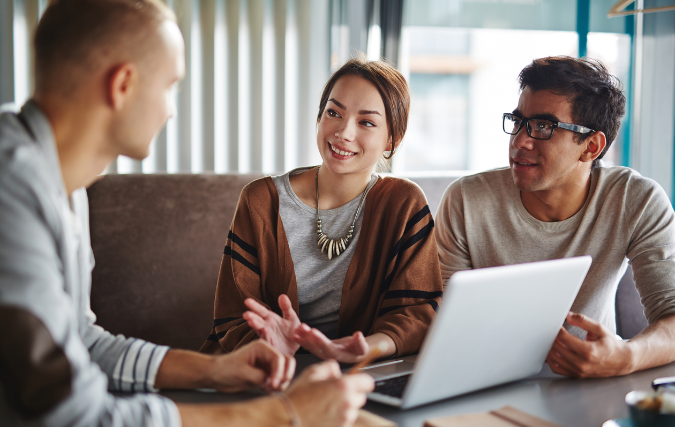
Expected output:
(370, 357)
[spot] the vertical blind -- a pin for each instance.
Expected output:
(254, 71)
(253, 78)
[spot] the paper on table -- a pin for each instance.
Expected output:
(503, 417)
(368, 419)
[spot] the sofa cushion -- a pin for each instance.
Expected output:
(630, 316)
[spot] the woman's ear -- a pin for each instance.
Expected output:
(392, 146)
(396, 144)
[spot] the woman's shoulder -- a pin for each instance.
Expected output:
(398, 193)
(261, 190)
(399, 187)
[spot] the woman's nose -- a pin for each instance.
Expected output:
(346, 132)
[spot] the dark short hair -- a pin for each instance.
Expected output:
(74, 36)
(389, 82)
(597, 99)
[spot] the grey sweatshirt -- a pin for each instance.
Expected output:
(56, 364)
(482, 222)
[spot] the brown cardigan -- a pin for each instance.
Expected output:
(393, 284)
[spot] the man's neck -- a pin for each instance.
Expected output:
(557, 204)
(78, 130)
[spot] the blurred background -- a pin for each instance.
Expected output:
(256, 68)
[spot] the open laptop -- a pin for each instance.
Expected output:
(494, 325)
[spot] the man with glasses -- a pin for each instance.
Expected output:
(555, 200)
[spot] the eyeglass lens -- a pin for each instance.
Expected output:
(536, 128)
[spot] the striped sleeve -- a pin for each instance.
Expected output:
(136, 368)
(141, 410)
(412, 289)
(243, 253)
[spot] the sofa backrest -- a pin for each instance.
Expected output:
(158, 241)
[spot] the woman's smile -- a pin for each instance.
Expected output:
(339, 152)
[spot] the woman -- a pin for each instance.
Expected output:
(359, 271)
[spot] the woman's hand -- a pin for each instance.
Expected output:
(347, 349)
(271, 327)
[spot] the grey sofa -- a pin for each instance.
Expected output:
(158, 241)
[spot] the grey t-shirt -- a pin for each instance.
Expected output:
(319, 279)
(482, 222)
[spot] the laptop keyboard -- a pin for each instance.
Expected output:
(392, 386)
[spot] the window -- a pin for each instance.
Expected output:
(462, 59)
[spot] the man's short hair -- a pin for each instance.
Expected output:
(596, 96)
(74, 37)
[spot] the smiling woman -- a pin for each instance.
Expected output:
(334, 259)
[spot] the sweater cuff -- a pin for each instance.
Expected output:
(137, 367)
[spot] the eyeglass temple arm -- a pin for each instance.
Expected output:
(575, 128)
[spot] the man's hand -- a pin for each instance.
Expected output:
(601, 355)
(256, 364)
(347, 349)
(323, 396)
(320, 397)
(271, 327)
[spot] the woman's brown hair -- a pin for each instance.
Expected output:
(392, 87)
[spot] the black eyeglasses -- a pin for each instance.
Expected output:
(538, 128)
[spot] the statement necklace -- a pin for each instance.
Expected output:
(334, 247)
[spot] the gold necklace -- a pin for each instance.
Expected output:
(334, 246)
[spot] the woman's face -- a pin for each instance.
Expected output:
(352, 133)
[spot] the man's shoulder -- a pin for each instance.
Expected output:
(483, 185)
(493, 176)
(624, 180)
(623, 175)
(19, 156)
(25, 170)
(623, 189)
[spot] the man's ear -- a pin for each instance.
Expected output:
(121, 84)
(594, 144)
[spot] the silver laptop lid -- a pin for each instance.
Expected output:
(494, 325)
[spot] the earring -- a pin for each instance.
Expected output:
(336, 135)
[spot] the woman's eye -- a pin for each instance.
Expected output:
(367, 123)
(332, 113)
